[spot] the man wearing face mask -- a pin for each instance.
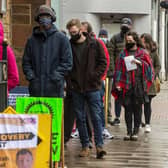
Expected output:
(117, 45)
(89, 64)
(47, 56)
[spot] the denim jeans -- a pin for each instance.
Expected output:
(94, 102)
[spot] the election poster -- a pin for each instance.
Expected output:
(20, 138)
(39, 105)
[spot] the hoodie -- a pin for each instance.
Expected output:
(13, 76)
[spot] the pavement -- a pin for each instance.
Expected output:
(150, 151)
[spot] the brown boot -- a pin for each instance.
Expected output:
(84, 152)
(100, 152)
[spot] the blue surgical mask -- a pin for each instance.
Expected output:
(45, 21)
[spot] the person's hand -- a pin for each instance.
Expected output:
(118, 88)
(136, 61)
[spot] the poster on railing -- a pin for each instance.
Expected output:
(20, 138)
(39, 105)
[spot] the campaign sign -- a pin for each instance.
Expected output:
(39, 105)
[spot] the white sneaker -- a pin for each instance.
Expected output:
(107, 135)
(75, 134)
(147, 128)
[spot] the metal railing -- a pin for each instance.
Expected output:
(3, 85)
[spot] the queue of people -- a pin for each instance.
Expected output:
(84, 61)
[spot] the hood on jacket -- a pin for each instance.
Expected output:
(45, 33)
(1, 32)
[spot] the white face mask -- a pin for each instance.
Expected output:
(104, 40)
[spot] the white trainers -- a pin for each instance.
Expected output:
(75, 134)
(147, 128)
(107, 135)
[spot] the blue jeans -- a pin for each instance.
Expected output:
(94, 102)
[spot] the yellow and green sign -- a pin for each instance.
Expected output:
(39, 105)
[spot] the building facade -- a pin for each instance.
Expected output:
(147, 16)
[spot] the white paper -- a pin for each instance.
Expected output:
(128, 62)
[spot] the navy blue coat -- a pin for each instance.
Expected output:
(46, 60)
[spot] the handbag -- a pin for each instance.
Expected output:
(157, 85)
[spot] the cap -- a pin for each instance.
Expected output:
(44, 9)
(103, 32)
(126, 22)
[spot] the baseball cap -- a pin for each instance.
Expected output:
(126, 22)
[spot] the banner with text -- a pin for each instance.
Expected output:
(37, 105)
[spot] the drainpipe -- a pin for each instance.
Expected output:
(162, 43)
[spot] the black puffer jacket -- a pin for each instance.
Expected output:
(46, 59)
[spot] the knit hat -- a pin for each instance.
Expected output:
(44, 9)
(126, 22)
(103, 32)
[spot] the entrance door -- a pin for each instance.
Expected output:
(22, 22)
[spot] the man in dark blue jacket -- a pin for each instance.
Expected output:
(47, 57)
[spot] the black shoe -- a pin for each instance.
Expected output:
(116, 121)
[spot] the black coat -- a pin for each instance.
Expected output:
(46, 59)
(88, 77)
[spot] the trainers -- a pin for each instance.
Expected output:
(100, 153)
(107, 135)
(134, 137)
(116, 121)
(147, 128)
(84, 152)
(127, 137)
(90, 144)
(75, 134)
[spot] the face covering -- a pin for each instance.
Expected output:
(130, 45)
(85, 33)
(124, 29)
(104, 40)
(45, 22)
(75, 37)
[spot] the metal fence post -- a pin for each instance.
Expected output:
(3, 85)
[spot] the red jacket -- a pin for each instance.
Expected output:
(107, 58)
(13, 76)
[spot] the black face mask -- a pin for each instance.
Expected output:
(124, 29)
(85, 34)
(75, 37)
(129, 45)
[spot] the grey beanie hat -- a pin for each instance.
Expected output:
(44, 9)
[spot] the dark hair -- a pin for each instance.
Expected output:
(23, 152)
(136, 38)
(149, 43)
(89, 27)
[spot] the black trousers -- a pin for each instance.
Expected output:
(148, 110)
(133, 112)
(69, 116)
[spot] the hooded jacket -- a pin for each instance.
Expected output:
(46, 60)
(13, 76)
